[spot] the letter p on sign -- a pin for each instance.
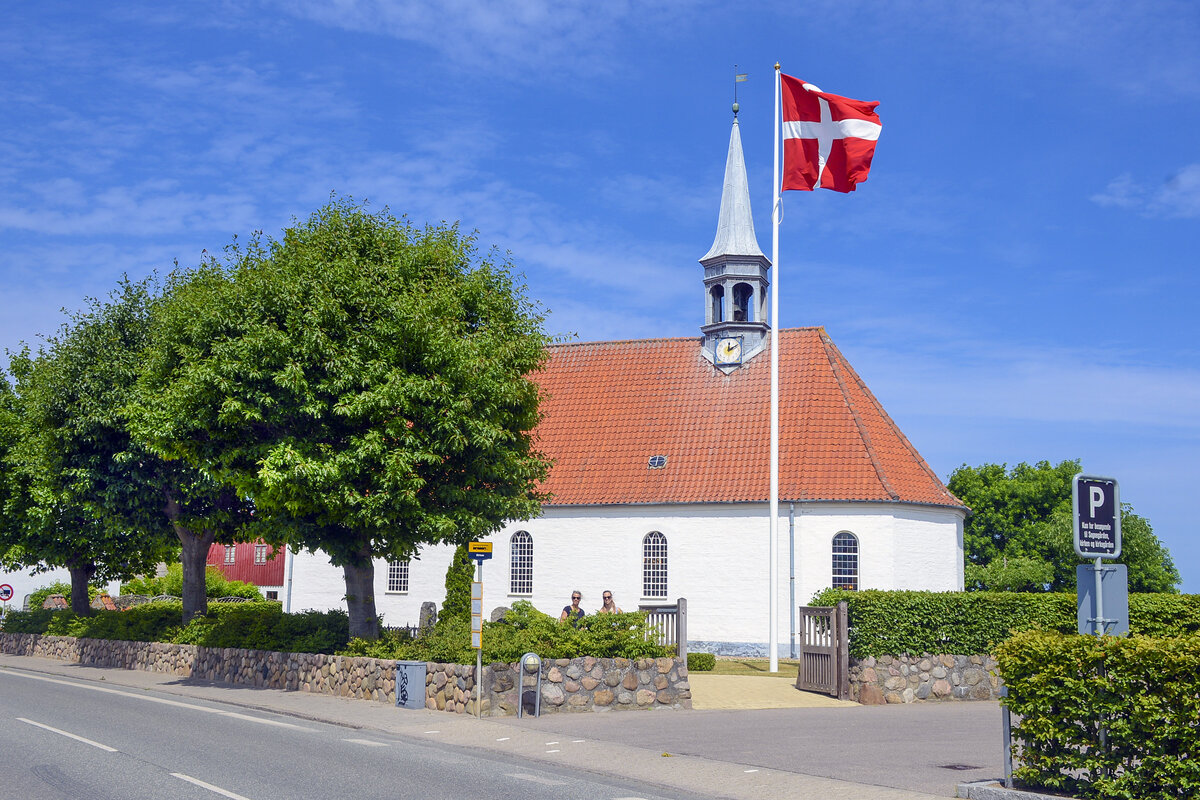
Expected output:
(1095, 500)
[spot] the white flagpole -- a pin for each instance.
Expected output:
(773, 582)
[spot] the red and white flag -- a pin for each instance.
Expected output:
(828, 140)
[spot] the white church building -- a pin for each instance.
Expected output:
(659, 488)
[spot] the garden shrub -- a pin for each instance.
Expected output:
(898, 622)
(524, 629)
(1145, 690)
(215, 585)
(701, 662)
(38, 596)
(33, 621)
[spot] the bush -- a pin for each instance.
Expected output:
(1146, 693)
(523, 630)
(893, 623)
(215, 585)
(701, 662)
(38, 596)
(34, 621)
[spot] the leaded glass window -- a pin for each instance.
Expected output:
(845, 561)
(520, 563)
(654, 565)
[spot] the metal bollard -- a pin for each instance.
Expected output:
(530, 659)
(1006, 727)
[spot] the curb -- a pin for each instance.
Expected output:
(994, 790)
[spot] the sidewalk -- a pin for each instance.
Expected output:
(818, 750)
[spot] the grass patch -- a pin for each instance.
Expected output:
(756, 666)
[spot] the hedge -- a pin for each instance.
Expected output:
(894, 622)
(254, 626)
(1145, 690)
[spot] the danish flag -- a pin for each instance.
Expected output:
(828, 140)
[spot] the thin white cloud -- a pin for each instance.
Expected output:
(1176, 198)
(550, 35)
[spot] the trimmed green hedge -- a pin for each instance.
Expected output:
(893, 623)
(253, 626)
(1147, 692)
(701, 662)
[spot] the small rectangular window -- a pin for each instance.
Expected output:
(397, 576)
(230, 551)
(260, 554)
(272, 594)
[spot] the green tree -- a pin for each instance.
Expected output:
(68, 461)
(1019, 536)
(364, 380)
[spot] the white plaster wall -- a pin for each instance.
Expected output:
(717, 559)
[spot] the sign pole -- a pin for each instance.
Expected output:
(479, 652)
(478, 552)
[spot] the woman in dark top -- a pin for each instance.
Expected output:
(572, 612)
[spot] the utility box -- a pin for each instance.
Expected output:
(410, 684)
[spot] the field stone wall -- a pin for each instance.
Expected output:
(581, 684)
(924, 678)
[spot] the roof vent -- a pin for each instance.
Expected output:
(657, 462)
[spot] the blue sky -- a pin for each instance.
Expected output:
(1017, 281)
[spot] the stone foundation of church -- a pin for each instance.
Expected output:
(579, 684)
(924, 678)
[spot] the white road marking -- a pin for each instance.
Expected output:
(578, 741)
(548, 744)
(68, 735)
(503, 739)
(367, 742)
(536, 779)
(209, 786)
(749, 770)
(433, 731)
(553, 751)
(160, 700)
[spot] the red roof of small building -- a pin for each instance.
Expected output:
(608, 407)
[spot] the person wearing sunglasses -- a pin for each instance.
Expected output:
(609, 607)
(572, 612)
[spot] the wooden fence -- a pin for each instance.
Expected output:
(668, 625)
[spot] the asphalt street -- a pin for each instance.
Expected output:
(915, 752)
(72, 739)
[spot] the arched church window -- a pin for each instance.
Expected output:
(520, 548)
(718, 303)
(654, 565)
(845, 561)
(742, 294)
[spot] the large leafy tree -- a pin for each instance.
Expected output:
(1019, 536)
(68, 461)
(362, 379)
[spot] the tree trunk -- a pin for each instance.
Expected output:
(360, 598)
(195, 557)
(81, 578)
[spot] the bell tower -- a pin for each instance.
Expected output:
(735, 272)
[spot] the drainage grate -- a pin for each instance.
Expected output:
(958, 767)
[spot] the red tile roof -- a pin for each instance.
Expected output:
(609, 406)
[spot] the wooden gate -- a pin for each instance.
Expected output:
(824, 656)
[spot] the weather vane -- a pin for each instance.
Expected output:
(737, 78)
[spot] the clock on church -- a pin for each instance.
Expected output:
(729, 350)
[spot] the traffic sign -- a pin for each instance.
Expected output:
(1096, 507)
(6, 592)
(479, 551)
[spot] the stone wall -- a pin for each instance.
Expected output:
(924, 678)
(580, 684)
(590, 684)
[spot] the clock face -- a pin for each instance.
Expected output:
(729, 350)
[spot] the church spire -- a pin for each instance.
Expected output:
(735, 225)
(735, 272)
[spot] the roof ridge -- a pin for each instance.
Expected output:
(863, 433)
(892, 424)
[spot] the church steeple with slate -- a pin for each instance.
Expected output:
(735, 272)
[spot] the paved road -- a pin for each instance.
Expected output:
(71, 739)
(859, 753)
